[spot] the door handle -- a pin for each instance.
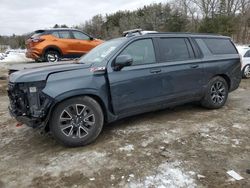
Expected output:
(155, 70)
(194, 66)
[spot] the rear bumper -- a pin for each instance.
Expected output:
(235, 83)
(236, 77)
(33, 54)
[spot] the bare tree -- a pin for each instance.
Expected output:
(207, 7)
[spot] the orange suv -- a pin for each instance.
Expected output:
(53, 44)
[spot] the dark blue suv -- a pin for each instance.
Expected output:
(123, 77)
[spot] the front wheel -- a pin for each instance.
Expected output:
(216, 93)
(77, 121)
(246, 71)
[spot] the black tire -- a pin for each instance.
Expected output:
(52, 56)
(72, 123)
(39, 60)
(216, 93)
(246, 71)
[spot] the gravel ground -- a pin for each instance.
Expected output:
(187, 146)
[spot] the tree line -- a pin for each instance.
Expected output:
(226, 17)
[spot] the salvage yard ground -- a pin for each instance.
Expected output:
(187, 146)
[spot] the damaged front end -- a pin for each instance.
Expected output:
(28, 104)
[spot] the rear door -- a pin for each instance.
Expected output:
(137, 87)
(65, 42)
(182, 72)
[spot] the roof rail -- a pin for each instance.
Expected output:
(190, 33)
(130, 32)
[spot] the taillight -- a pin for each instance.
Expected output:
(241, 61)
(37, 39)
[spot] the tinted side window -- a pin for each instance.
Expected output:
(247, 54)
(175, 49)
(142, 52)
(79, 35)
(56, 34)
(64, 34)
(219, 46)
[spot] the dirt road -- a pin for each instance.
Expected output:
(187, 146)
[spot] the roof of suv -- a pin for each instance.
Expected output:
(49, 31)
(180, 34)
(140, 32)
(56, 29)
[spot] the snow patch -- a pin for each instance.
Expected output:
(236, 141)
(238, 126)
(167, 175)
(145, 143)
(199, 176)
(14, 58)
(128, 148)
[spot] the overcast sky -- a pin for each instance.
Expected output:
(23, 16)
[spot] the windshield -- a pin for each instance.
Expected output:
(99, 53)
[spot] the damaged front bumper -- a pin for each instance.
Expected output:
(29, 121)
(28, 104)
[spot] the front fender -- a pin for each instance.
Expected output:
(81, 92)
(68, 84)
(101, 99)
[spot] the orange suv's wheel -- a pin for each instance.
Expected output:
(52, 56)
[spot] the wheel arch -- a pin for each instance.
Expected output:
(226, 77)
(66, 96)
(52, 47)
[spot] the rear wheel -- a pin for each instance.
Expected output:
(216, 94)
(52, 56)
(246, 71)
(77, 121)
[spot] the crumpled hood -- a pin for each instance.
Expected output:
(41, 73)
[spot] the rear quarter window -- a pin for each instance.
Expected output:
(38, 33)
(219, 46)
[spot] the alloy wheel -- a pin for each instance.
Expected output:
(52, 57)
(218, 92)
(247, 71)
(76, 121)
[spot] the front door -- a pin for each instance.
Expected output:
(136, 87)
(83, 44)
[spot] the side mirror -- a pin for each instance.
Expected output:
(123, 61)
(91, 38)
